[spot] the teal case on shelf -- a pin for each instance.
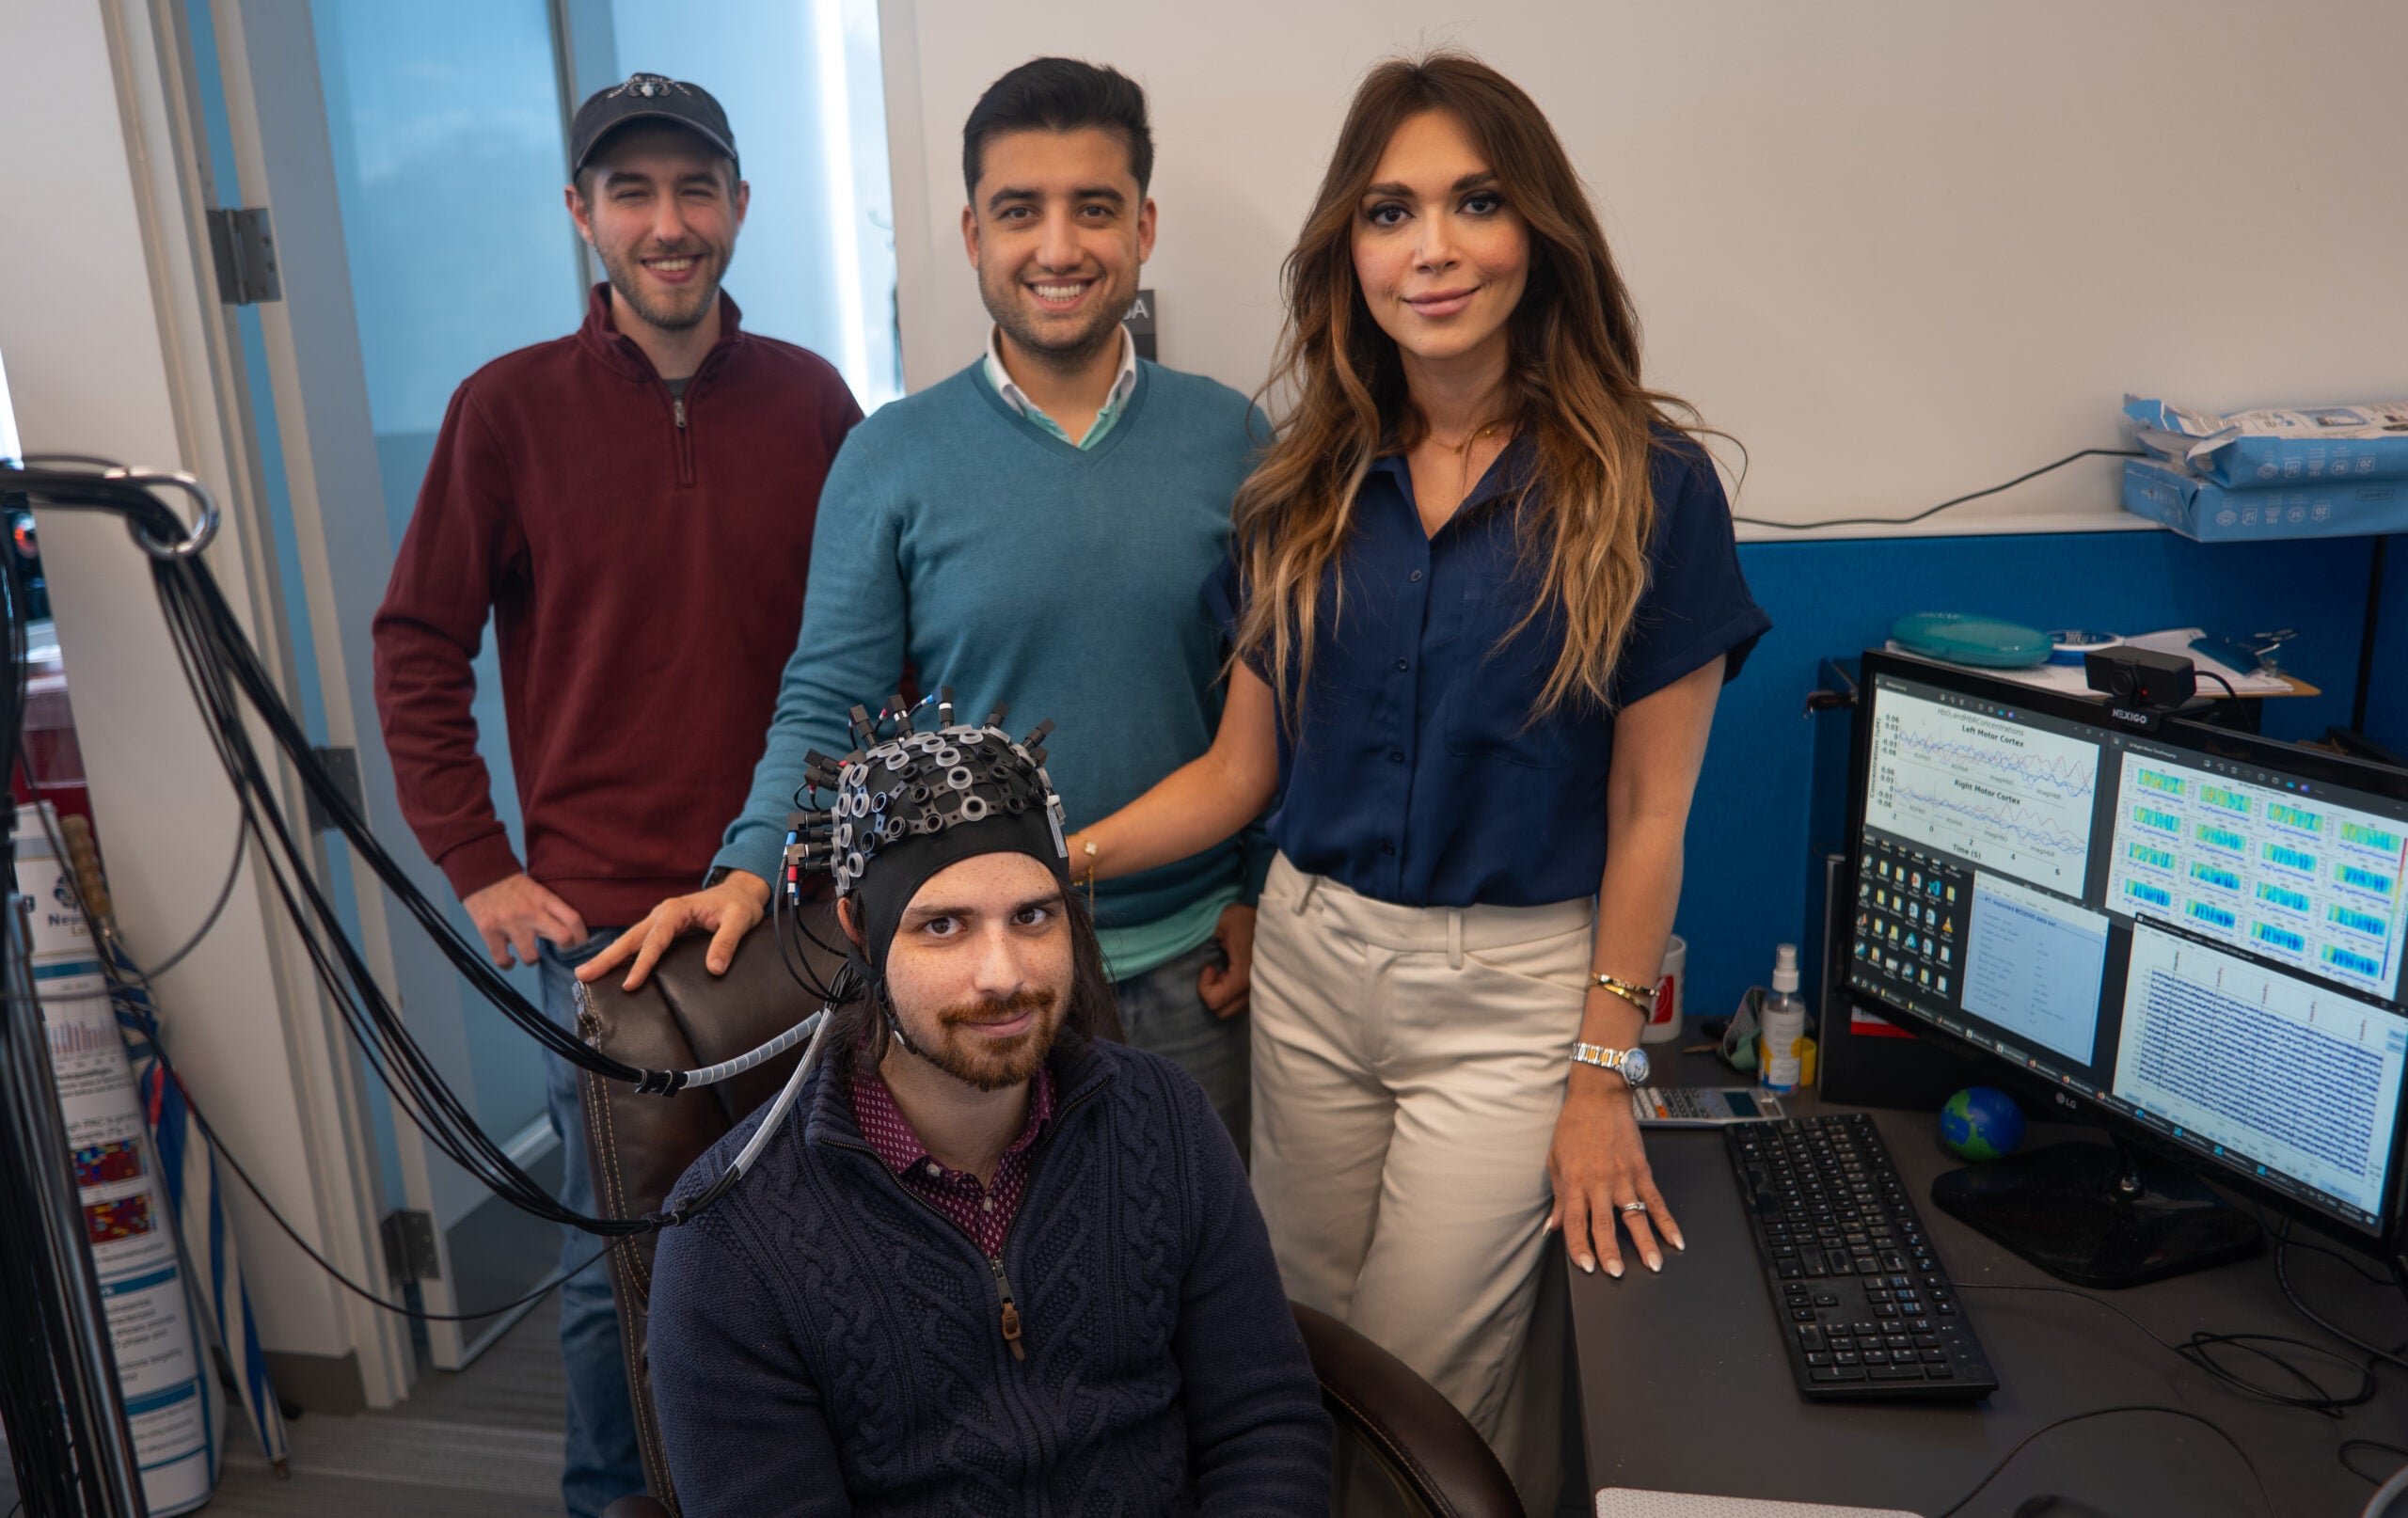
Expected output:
(1985, 641)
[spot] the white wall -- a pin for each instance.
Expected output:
(89, 360)
(1902, 249)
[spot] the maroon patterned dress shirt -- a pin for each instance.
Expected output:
(982, 1211)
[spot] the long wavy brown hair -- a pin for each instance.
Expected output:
(1572, 389)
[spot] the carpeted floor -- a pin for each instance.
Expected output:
(484, 1443)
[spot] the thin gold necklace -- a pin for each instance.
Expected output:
(1474, 436)
(1462, 458)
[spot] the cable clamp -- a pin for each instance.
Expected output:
(661, 1084)
(204, 523)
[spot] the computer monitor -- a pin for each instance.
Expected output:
(2194, 934)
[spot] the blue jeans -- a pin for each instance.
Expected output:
(1160, 1011)
(602, 1463)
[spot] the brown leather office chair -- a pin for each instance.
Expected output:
(685, 1017)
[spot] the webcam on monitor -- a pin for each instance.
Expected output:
(2141, 685)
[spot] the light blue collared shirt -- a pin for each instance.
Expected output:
(1014, 397)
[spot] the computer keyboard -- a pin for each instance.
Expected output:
(1865, 1310)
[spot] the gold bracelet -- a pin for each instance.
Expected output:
(1641, 997)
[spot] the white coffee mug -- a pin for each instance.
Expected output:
(1664, 1022)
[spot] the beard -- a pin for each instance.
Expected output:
(1051, 344)
(992, 1063)
(674, 312)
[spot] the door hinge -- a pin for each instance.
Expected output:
(409, 1247)
(342, 766)
(243, 247)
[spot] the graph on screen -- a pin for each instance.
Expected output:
(2007, 795)
(2302, 880)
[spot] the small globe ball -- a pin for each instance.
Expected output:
(1981, 1123)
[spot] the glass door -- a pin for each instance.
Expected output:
(411, 159)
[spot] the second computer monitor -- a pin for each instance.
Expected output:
(2197, 932)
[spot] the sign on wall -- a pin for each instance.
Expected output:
(1140, 322)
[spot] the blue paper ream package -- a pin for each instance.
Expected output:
(2209, 513)
(2283, 450)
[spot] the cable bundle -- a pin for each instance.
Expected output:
(68, 1440)
(219, 663)
(224, 675)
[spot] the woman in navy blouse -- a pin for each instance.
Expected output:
(1483, 595)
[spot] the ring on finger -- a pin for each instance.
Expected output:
(1633, 1207)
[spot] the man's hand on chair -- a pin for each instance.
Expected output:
(515, 912)
(727, 911)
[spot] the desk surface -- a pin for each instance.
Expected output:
(1685, 1387)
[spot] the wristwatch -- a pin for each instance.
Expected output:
(1631, 1063)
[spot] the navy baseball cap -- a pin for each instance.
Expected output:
(648, 97)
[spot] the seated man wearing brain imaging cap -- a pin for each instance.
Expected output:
(1002, 1265)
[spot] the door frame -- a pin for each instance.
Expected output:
(277, 113)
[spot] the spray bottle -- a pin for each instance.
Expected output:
(1782, 1063)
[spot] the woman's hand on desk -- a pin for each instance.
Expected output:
(1599, 1165)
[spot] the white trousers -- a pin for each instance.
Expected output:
(1409, 1064)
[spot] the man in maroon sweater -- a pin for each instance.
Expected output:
(633, 507)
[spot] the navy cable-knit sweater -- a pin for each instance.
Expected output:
(824, 1342)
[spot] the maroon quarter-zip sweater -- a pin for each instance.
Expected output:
(643, 559)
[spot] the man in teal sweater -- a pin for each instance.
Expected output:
(1037, 528)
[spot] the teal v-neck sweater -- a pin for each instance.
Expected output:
(1016, 568)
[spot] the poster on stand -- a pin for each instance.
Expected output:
(171, 1398)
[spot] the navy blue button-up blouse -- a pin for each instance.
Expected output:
(1417, 776)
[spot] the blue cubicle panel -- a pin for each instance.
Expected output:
(2387, 701)
(1745, 887)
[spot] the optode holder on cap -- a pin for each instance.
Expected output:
(914, 784)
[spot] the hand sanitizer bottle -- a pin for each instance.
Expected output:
(1780, 1065)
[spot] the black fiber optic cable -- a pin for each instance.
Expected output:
(417, 1086)
(69, 1443)
(224, 675)
(387, 1049)
(401, 1309)
(209, 920)
(140, 979)
(785, 947)
(218, 632)
(193, 598)
(120, 976)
